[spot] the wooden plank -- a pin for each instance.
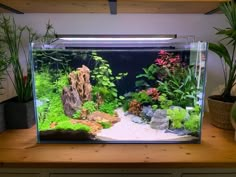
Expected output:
(168, 7)
(18, 148)
(59, 6)
(102, 6)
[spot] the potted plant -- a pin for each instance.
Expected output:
(19, 113)
(220, 105)
(3, 66)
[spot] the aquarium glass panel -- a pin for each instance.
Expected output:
(115, 90)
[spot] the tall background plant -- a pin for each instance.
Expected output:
(3, 67)
(224, 50)
(11, 36)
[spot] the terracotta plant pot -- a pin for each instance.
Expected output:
(233, 118)
(220, 113)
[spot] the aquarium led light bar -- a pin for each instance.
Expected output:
(116, 37)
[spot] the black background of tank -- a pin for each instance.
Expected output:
(128, 61)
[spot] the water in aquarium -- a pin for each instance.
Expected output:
(119, 90)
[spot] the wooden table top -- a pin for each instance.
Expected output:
(18, 148)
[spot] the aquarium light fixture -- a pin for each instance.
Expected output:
(120, 38)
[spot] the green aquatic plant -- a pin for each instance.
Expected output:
(105, 125)
(155, 107)
(148, 78)
(108, 107)
(61, 81)
(77, 114)
(164, 102)
(177, 116)
(90, 106)
(68, 125)
(193, 123)
(105, 81)
(142, 97)
(48, 92)
(43, 84)
(180, 87)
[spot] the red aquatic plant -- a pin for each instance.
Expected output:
(168, 60)
(153, 93)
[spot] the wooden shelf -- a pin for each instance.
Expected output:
(102, 6)
(18, 148)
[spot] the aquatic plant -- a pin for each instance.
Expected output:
(148, 78)
(176, 116)
(180, 87)
(105, 81)
(168, 60)
(90, 106)
(164, 102)
(108, 107)
(49, 89)
(142, 97)
(193, 123)
(43, 84)
(134, 107)
(68, 125)
(153, 93)
(105, 125)
(77, 114)
(61, 81)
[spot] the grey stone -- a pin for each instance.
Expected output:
(137, 120)
(126, 113)
(147, 112)
(160, 114)
(159, 126)
(159, 120)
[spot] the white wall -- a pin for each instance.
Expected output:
(201, 26)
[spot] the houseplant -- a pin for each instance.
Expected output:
(19, 112)
(220, 105)
(3, 66)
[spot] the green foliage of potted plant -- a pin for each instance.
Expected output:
(20, 111)
(3, 67)
(220, 105)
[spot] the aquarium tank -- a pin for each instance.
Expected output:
(119, 89)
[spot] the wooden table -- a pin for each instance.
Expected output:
(18, 148)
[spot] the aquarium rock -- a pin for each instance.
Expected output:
(80, 80)
(137, 119)
(159, 120)
(147, 112)
(179, 132)
(103, 117)
(71, 100)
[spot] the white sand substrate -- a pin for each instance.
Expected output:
(126, 130)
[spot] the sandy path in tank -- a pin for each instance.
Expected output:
(126, 130)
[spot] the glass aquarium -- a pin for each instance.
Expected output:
(119, 89)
